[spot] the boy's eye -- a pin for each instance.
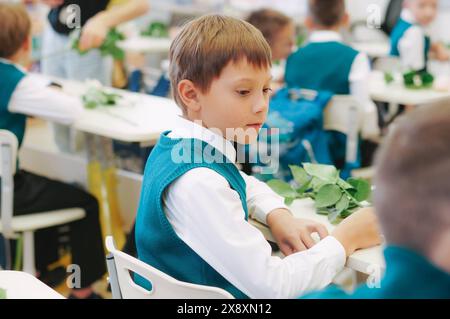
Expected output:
(267, 90)
(243, 92)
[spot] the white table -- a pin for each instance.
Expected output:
(377, 49)
(366, 261)
(21, 285)
(140, 118)
(141, 44)
(397, 93)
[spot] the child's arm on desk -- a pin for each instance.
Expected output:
(439, 52)
(34, 97)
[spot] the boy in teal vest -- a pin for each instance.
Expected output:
(192, 221)
(409, 38)
(413, 204)
(21, 95)
(325, 63)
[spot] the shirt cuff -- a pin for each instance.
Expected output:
(264, 207)
(331, 247)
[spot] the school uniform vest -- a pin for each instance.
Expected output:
(397, 34)
(10, 76)
(157, 243)
(321, 66)
(408, 276)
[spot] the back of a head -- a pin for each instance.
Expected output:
(269, 22)
(15, 28)
(327, 13)
(204, 47)
(412, 196)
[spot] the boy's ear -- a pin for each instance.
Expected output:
(309, 23)
(345, 20)
(27, 44)
(188, 94)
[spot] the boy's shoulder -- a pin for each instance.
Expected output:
(328, 47)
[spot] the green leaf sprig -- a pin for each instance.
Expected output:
(418, 80)
(332, 195)
(109, 46)
(156, 29)
(96, 96)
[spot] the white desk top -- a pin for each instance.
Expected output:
(376, 49)
(141, 119)
(142, 44)
(21, 285)
(398, 94)
(364, 261)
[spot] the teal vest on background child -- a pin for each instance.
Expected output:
(156, 241)
(321, 66)
(408, 276)
(10, 76)
(397, 34)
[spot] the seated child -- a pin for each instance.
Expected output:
(413, 205)
(21, 95)
(279, 31)
(192, 221)
(327, 64)
(410, 40)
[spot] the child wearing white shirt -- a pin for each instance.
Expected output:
(192, 220)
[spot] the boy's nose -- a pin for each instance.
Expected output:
(262, 105)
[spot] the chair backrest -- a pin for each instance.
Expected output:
(121, 266)
(8, 155)
(343, 114)
(393, 11)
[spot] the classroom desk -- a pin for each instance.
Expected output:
(147, 45)
(396, 93)
(378, 49)
(21, 285)
(367, 261)
(141, 119)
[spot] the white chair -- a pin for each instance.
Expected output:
(11, 226)
(120, 269)
(343, 114)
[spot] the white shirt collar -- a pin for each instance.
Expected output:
(6, 61)
(325, 36)
(188, 129)
(408, 16)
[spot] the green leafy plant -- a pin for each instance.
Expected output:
(388, 77)
(96, 96)
(156, 29)
(332, 195)
(418, 80)
(2, 293)
(108, 47)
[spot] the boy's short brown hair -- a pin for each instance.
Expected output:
(327, 13)
(207, 44)
(269, 22)
(412, 196)
(15, 27)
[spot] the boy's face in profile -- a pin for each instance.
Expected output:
(237, 101)
(424, 11)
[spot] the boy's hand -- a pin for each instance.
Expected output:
(440, 52)
(359, 230)
(293, 234)
(93, 33)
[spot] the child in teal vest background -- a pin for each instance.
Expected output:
(412, 202)
(20, 95)
(325, 63)
(410, 39)
(192, 220)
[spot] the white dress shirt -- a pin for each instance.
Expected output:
(359, 84)
(207, 214)
(33, 97)
(412, 45)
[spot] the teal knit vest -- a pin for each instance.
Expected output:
(157, 243)
(321, 66)
(397, 34)
(10, 76)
